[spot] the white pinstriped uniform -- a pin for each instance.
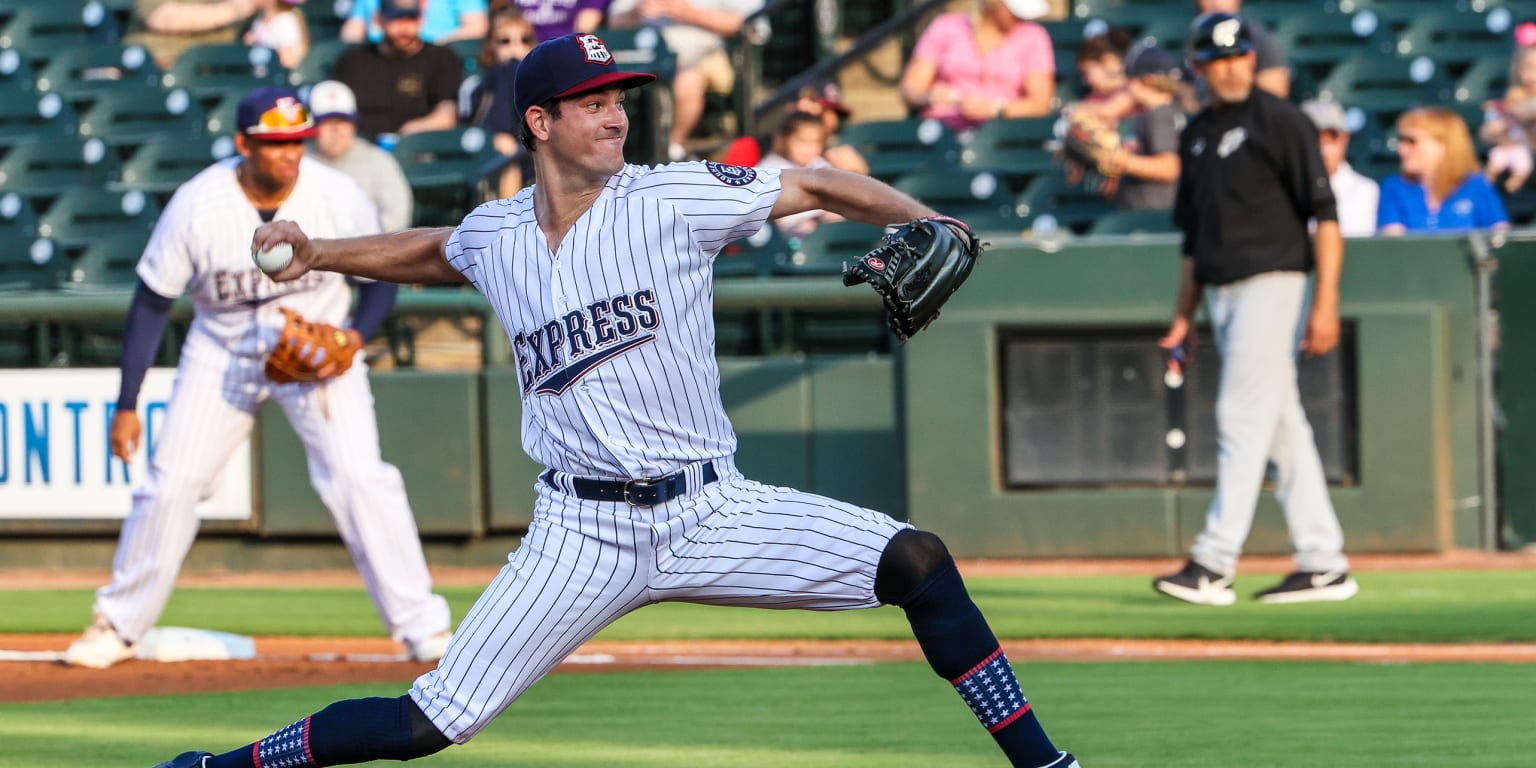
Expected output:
(614, 339)
(202, 244)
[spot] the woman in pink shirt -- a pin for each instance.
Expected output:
(972, 67)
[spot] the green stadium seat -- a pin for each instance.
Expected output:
(137, 116)
(444, 169)
(1315, 42)
(469, 53)
(160, 167)
(84, 215)
(324, 23)
(317, 64)
(1134, 223)
(958, 193)
(16, 211)
(1373, 151)
(1017, 150)
(26, 114)
(1486, 79)
(827, 247)
(1171, 33)
(1068, 206)
(1131, 13)
(754, 255)
(85, 72)
(28, 263)
(48, 167)
(106, 264)
(1387, 84)
(214, 71)
(220, 118)
(641, 50)
(38, 31)
(1458, 38)
(896, 147)
(1396, 15)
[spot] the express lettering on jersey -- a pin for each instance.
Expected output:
(252, 286)
(552, 357)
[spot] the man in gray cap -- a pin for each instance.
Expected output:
(1357, 194)
(337, 144)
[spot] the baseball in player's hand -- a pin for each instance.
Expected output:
(1180, 344)
(270, 239)
(124, 434)
(1322, 332)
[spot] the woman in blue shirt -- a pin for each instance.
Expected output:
(1441, 186)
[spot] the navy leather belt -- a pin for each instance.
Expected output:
(644, 492)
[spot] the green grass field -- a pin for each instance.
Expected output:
(1155, 714)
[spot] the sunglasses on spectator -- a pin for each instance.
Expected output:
(525, 40)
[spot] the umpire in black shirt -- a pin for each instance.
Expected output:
(1251, 178)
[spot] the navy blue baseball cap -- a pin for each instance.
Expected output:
(274, 113)
(1219, 36)
(1148, 58)
(566, 66)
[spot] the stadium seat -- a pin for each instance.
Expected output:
(27, 114)
(1387, 84)
(1396, 15)
(138, 116)
(1486, 79)
(317, 64)
(219, 119)
(1458, 39)
(214, 71)
(84, 215)
(160, 167)
(1069, 205)
(106, 264)
(1315, 42)
(826, 248)
(641, 50)
(958, 193)
(1171, 33)
(38, 31)
(27, 263)
(14, 70)
(1017, 150)
(444, 169)
(83, 73)
(1133, 223)
(48, 167)
(753, 255)
(16, 212)
(1373, 151)
(1131, 13)
(895, 147)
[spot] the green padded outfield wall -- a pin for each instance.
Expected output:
(1410, 302)
(1516, 290)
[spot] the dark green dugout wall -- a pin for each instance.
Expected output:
(917, 434)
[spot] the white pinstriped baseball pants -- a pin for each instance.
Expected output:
(212, 407)
(584, 564)
(1259, 419)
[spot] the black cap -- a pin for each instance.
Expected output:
(566, 66)
(1220, 36)
(1149, 59)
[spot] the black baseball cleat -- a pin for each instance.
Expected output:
(1197, 584)
(1311, 586)
(1066, 760)
(187, 760)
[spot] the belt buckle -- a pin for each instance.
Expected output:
(643, 483)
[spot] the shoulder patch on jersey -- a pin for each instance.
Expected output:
(733, 175)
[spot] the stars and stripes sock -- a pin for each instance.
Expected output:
(961, 648)
(346, 732)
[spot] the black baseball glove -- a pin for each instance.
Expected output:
(915, 268)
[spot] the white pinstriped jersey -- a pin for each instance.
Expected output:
(210, 256)
(614, 333)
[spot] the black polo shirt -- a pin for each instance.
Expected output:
(393, 89)
(1251, 177)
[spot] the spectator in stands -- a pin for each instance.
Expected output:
(279, 25)
(821, 99)
(337, 144)
(994, 62)
(800, 142)
(1149, 161)
(1101, 70)
(442, 21)
(1357, 194)
(1511, 123)
(553, 18)
(168, 27)
(1441, 186)
(403, 84)
(696, 32)
(510, 39)
(1274, 74)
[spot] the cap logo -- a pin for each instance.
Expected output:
(593, 48)
(1224, 34)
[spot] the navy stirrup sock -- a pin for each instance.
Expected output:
(352, 731)
(961, 648)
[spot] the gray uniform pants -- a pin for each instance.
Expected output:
(1259, 419)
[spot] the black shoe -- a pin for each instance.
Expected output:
(1197, 584)
(1310, 586)
(187, 760)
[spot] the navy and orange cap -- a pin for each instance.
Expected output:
(274, 114)
(568, 66)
